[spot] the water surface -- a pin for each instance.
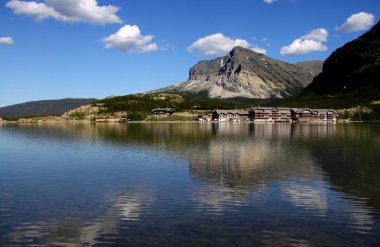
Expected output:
(189, 184)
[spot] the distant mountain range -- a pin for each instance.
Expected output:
(42, 108)
(245, 73)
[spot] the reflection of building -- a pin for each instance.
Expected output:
(310, 130)
(249, 163)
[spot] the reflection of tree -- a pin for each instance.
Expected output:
(351, 160)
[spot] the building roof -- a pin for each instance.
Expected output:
(300, 110)
(270, 108)
(163, 109)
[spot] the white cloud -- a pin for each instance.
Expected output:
(219, 45)
(258, 50)
(6, 40)
(67, 11)
(129, 39)
(357, 22)
(301, 47)
(308, 43)
(269, 1)
(319, 34)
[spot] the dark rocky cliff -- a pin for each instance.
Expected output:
(353, 67)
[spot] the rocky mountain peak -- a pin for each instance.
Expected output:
(243, 73)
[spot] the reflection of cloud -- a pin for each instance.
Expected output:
(217, 198)
(307, 196)
(73, 232)
(28, 232)
(362, 221)
(129, 206)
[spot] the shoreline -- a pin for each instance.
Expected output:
(116, 121)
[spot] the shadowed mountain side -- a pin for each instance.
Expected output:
(355, 67)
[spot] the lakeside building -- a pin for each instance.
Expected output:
(313, 115)
(206, 118)
(163, 111)
(230, 115)
(265, 114)
(273, 114)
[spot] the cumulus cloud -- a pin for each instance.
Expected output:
(129, 39)
(307, 43)
(6, 40)
(357, 22)
(67, 11)
(219, 45)
(319, 34)
(269, 1)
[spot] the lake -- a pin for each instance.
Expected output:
(189, 184)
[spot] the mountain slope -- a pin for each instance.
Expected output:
(42, 108)
(353, 67)
(242, 73)
(313, 66)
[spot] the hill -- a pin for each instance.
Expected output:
(42, 108)
(146, 102)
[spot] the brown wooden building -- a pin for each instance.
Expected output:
(265, 114)
(230, 115)
(313, 115)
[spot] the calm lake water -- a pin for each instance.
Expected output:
(190, 184)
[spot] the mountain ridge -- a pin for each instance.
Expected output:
(43, 107)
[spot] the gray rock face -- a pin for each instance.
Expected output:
(244, 73)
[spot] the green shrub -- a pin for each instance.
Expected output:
(78, 115)
(136, 116)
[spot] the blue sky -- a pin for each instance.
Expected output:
(51, 49)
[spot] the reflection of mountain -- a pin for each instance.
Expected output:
(234, 161)
(243, 155)
(351, 161)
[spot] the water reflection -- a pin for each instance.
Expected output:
(196, 184)
(71, 231)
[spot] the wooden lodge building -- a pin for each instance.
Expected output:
(313, 115)
(265, 114)
(273, 114)
(230, 115)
